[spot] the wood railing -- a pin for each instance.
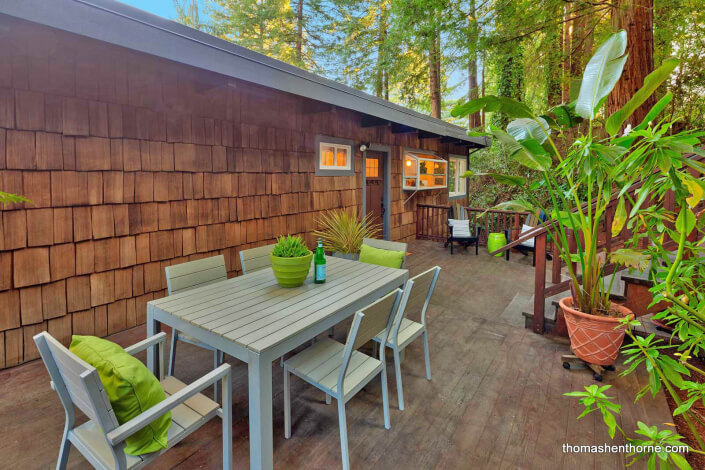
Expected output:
(432, 221)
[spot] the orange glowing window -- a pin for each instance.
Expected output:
(372, 168)
(335, 156)
(424, 171)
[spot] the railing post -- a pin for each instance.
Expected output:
(540, 284)
(418, 220)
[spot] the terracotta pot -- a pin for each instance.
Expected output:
(594, 338)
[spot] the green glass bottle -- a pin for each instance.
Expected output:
(319, 264)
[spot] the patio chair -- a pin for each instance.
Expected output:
(101, 439)
(340, 370)
(528, 246)
(255, 259)
(459, 231)
(417, 294)
(189, 275)
(387, 245)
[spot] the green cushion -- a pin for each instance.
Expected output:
(131, 389)
(388, 258)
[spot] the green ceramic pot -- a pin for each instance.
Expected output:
(495, 241)
(291, 272)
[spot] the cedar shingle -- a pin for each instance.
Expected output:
(164, 211)
(150, 217)
(152, 277)
(102, 288)
(112, 187)
(107, 254)
(94, 183)
(92, 153)
(100, 320)
(79, 293)
(132, 160)
(83, 322)
(5, 270)
(9, 309)
(142, 248)
(114, 120)
(82, 225)
(138, 280)
(7, 108)
(130, 315)
(116, 160)
(76, 117)
(122, 220)
(15, 229)
(50, 152)
(37, 187)
(85, 257)
(123, 283)
(128, 187)
(69, 188)
(54, 299)
(68, 150)
(167, 157)
(29, 110)
(161, 245)
(144, 187)
(63, 225)
(185, 157)
(103, 223)
(21, 150)
(13, 347)
(62, 260)
(31, 266)
(31, 305)
(188, 241)
(40, 227)
(117, 316)
(128, 252)
(53, 113)
(161, 186)
(98, 118)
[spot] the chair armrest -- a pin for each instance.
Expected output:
(146, 343)
(127, 429)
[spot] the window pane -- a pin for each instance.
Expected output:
(372, 168)
(327, 152)
(409, 166)
(451, 176)
(341, 157)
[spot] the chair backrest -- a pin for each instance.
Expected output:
(76, 382)
(461, 228)
(255, 259)
(387, 245)
(417, 294)
(192, 274)
(368, 322)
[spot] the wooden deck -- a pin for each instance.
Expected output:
(495, 400)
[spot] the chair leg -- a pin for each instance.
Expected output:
(64, 449)
(331, 333)
(385, 396)
(227, 418)
(451, 246)
(328, 399)
(172, 351)
(425, 351)
(397, 369)
(477, 247)
(287, 405)
(533, 260)
(343, 434)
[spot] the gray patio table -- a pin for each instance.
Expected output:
(255, 320)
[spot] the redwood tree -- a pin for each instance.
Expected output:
(636, 17)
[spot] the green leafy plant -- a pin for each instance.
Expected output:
(343, 230)
(290, 247)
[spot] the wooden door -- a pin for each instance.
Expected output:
(374, 187)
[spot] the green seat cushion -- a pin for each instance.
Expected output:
(380, 257)
(131, 389)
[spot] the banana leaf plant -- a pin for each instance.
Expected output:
(596, 165)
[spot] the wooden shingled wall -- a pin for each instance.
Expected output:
(133, 163)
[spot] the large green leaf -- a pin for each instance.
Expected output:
(525, 128)
(498, 177)
(651, 83)
(620, 217)
(601, 74)
(491, 103)
(685, 223)
(520, 205)
(529, 153)
(697, 192)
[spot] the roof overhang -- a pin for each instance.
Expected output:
(122, 25)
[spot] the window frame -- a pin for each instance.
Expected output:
(427, 156)
(457, 178)
(336, 143)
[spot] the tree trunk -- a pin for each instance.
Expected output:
(474, 120)
(565, 63)
(577, 50)
(434, 74)
(381, 75)
(637, 18)
(299, 32)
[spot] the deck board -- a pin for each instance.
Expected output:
(495, 400)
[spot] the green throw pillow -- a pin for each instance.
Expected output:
(131, 389)
(388, 258)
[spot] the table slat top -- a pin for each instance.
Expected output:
(256, 313)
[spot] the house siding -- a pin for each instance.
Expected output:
(134, 163)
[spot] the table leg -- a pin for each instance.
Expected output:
(153, 327)
(260, 391)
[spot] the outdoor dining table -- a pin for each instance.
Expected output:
(254, 319)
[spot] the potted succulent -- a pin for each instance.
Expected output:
(597, 164)
(342, 232)
(291, 261)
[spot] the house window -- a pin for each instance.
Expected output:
(422, 171)
(334, 156)
(372, 168)
(457, 166)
